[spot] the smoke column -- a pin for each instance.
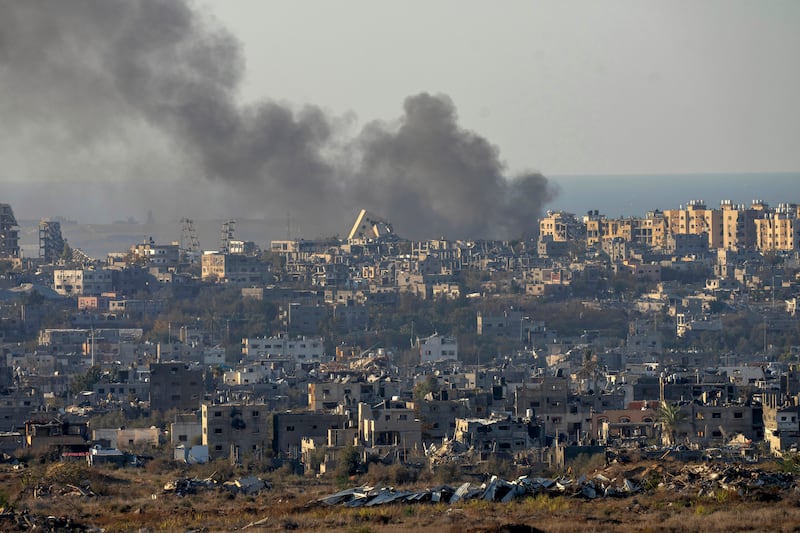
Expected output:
(85, 73)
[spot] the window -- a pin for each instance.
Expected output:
(738, 414)
(218, 431)
(716, 415)
(217, 413)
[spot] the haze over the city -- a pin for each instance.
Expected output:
(451, 118)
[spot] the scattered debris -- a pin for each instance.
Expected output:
(11, 520)
(448, 451)
(704, 479)
(248, 485)
(65, 489)
(257, 523)
(185, 486)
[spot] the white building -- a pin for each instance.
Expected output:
(80, 282)
(301, 349)
(437, 348)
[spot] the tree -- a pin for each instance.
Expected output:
(86, 381)
(669, 417)
(589, 368)
(348, 463)
(422, 388)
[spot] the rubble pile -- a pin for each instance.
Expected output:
(11, 520)
(248, 485)
(699, 480)
(447, 452)
(707, 479)
(43, 490)
(185, 486)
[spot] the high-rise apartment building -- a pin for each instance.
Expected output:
(51, 243)
(9, 234)
(738, 224)
(780, 230)
(696, 219)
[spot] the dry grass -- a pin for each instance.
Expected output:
(125, 502)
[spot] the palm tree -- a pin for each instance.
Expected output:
(669, 418)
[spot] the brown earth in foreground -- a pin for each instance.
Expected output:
(134, 500)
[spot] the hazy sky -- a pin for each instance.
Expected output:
(441, 115)
(563, 87)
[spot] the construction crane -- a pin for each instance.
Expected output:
(190, 245)
(227, 234)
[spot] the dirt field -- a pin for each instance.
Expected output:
(78, 498)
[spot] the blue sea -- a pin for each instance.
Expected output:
(634, 195)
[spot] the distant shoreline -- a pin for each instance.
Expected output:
(611, 195)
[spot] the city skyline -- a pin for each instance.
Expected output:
(629, 200)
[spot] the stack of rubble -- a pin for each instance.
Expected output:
(448, 452)
(707, 479)
(700, 480)
(248, 485)
(62, 489)
(11, 520)
(185, 486)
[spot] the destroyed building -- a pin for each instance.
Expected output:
(237, 429)
(9, 233)
(498, 435)
(51, 242)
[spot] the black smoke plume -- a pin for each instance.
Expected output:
(83, 74)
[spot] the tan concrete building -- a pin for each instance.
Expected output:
(696, 219)
(83, 281)
(392, 424)
(779, 231)
(650, 230)
(241, 429)
(738, 225)
(233, 268)
(561, 226)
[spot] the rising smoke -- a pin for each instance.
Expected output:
(83, 74)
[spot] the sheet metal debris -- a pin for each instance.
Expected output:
(248, 485)
(695, 479)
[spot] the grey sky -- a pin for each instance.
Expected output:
(437, 115)
(560, 87)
